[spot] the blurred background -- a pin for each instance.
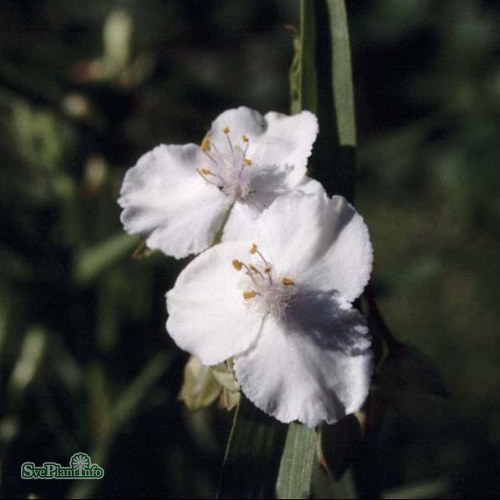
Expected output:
(85, 363)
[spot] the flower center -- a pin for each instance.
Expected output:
(262, 288)
(227, 168)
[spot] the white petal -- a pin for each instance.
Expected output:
(294, 228)
(279, 145)
(273, 178)
(207, 313)
(242, 221)
(288, 140)
(347, 264)
(167, 202)
(310, 186)
(240, 121)
(265, 196)
(322, 243)
(315, 365)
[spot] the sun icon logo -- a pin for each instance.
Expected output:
(80, 462)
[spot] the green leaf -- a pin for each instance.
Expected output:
(29, 362)
(303, 76)
(326, 80)
(294, 480)
(342, 74)
(91, 262)
(253, 454)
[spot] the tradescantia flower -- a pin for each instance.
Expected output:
(278, 300)
(178, 197)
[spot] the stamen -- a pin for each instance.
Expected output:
(262, 257)
(256, 271)
(204, 172)
(221, 157)
(247, 269)
(229, 142)
(205, 144)
(206, 179)
(272, 297)
(227, 164)
(249, 272)
(210, 157)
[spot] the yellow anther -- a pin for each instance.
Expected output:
(237, 265)
(205, 171)
(254, 248)
(244, 138)
(287, 282)
(205, 144)
(226, 130)
(249, 294)
(267, 270)
(247, 162)
(254, 269)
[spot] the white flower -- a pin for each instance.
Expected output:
(178, 197)
(279, 301)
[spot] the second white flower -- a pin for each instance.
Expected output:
(278, 300)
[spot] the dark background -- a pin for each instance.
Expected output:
(85, 362)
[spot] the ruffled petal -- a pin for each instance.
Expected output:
(208, 316)
(240, 121)
(310, 186)
(294, 228)
(288, 141)
(278, 145)
(347, 264)
(242, 221)
(169, 204)
(321, 242)
(314, 365)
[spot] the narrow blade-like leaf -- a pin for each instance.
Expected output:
(253, 454)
